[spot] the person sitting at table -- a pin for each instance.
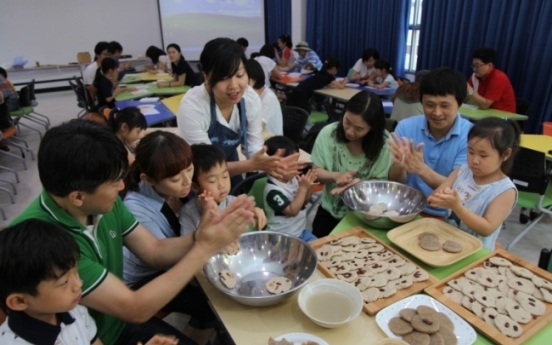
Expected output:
(364, 70)
(489, 87)
(101, 51)
(128, 124)
(406, 100)
(271, 108)
(427, 148)
(283, 54)
(266, 59)
(226, 111)
(103, 82)
(323, 78)
(307, 57)
(116, 50)
(351, 150)
(80, 165)
(384, 78)
(183, 73)
(479, 195)
(160, 60)
(8, 91)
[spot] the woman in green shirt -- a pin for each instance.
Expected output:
(349, 151)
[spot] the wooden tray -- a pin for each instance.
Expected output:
(406, 237)
(492, 333)
(374, 307)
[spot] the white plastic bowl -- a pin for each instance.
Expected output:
(333, 286)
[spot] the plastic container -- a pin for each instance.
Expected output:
(547, 128)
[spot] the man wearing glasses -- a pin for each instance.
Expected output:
(101, 51)
(489, 87)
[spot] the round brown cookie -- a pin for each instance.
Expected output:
(501, 304)
(445, 321)
(531, 304)
(402, 283)
(448, 336)
(228, 278)
(364, 272)
(490, 315)
(522, 285)
(387, 291)
(430, 243)
(347, 276)
(370, 295)
(419, 275)
(370, 259)
(538, 294)
(503, 270)
(356, 263)
(336, 249)
(361, 283)
(454, 295)
(335, 242)
(467, 302)
(546, 295)
(350, 240)
(407, 314)
(325, 253)
(488, 278)
(428, 234)
(474, 273)
(367, 240)
(498, 261)
(341, 268)
(541, 283)
(426, 323)
(348, 256)
(488, 300)
(512, 294)
(503, 285)
(407, 268)
(457, 284)
(392, 273)
(384, 255)
(521, 272)
(378, 281)
(507, 326)
(334, 261)
(353, 248)
(361, 253)
(489, 265)
(436, 339)
(517, 313)
(425, 310)
(399, 327)
(416, 338)
(278, 285)
(376, 249)
(379, 267)
(452, 247)
(396, 261)
(470, 290)
(478, 309)
(510, 274)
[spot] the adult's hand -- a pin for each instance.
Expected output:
(406, 155)
(270, 164)
(342, 188)
(162, 340)
(342, 179)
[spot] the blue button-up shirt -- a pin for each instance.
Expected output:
(442, 155)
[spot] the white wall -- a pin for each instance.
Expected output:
(298, 21)
(53, 31)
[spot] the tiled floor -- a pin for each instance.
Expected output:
(61, 106)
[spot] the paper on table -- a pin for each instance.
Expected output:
(469, 106)
(387, 102)
(149, 99)
(149, 111)
(137, 92)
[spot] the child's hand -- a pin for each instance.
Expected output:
(162, 340)
(307, 180)
(260, 217)
(446, 198)
(206, 201)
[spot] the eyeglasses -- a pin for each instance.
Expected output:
(476, 66)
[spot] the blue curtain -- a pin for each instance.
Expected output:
(346, 28)
(277, 19)
(519, 30)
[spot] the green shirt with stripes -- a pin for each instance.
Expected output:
(101, 250)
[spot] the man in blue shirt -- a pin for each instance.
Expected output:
(306, 56)
(429, 147)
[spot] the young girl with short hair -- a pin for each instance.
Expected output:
(384, 78)
(479, 194)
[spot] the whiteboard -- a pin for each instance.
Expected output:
(53, 31)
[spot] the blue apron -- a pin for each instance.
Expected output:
(227, 139)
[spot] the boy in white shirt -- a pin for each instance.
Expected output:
(285, 198)
(41, 289)
(101, 51)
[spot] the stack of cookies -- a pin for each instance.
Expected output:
(502, 294)
(373, 270)
(423, 326)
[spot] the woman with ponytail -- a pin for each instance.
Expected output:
(384, 77)
(128, 124)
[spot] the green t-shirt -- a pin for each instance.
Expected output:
(332, 156)
(101, 250)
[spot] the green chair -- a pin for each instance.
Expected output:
(252, 185)
(317, 117)
(350, 74)
(530, 177)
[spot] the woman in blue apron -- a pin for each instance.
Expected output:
(226, 112)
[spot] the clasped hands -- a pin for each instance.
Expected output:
(406, 155)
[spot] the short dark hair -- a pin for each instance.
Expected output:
(108, 64)
(502, 134)
(287, 40)
(206, 157)
(154, 53)
(280, 142)
(242, 41)
(31, 252)
(330, 63)
(221, 59)
(159, 155)
(268, 51)
(80, 155)
(3, 73)
(114, 47)
(370, 53)
(383, 64)
(487, 55)
(175, 46)
(129, 115)
(255, 72)
(369, 107)
(100, 47)
(442, 82)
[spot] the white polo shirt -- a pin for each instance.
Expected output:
(90, 73)
(76, 328)
(361, 68)
(194, 118)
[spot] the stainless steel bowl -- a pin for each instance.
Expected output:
(408, 201)
(263, 255)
